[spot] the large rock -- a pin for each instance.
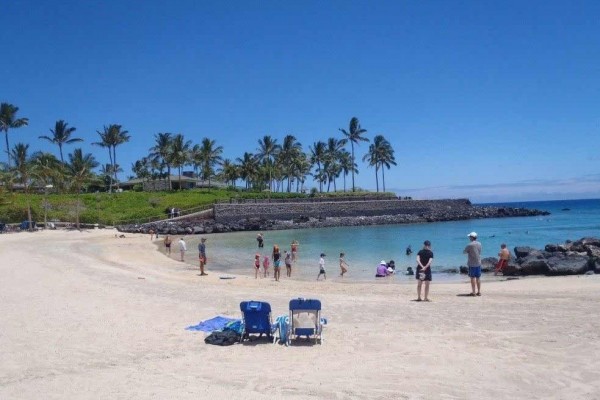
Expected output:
(567, 264)
(512, 269)
(523, 251)
(534, 264)
(488, 264)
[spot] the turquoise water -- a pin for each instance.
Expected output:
(366, 246)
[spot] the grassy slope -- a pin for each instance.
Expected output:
(115, 208)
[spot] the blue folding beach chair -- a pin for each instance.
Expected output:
(256, 318)
(305, 320)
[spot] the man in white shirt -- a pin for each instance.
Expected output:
(182, 248)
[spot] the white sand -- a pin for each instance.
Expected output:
(78, 322)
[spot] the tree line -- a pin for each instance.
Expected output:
(274, 166)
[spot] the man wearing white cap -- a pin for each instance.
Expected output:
(473, 252)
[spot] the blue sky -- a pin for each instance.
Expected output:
(491, 100)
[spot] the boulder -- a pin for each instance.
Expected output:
(593, 251)
(463, 269)
(512, 269)
(523, 251)
(590, 241)
(533, 264)
(567, 264)
(551, 248)
(488, 264)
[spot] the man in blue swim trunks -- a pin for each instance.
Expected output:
(473, 252)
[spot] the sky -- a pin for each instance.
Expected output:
(488, 100)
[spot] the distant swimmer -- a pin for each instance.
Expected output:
(408, 250)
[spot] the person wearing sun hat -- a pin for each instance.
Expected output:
(473, 252)
(382, 271)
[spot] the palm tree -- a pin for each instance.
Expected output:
(386, 156)
(380, 155)
(346, 165)
(290, 151)
(318, 155)
(179, 153)
(161, 151)
(80, 169)
(248, 165)
(210, 155)
(48, 169)
(9, 120)
(61, 134)
(229, 171)
(354, 135)
(111, 137)
(23, 171)
(332, 160)
(267, 150)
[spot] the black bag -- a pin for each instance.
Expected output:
(225, 338)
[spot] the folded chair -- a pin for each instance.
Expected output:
(305, 320)
(256, 319)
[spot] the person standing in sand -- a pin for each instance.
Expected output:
(423, 275)
(322, 267)
(276, 262)
(256, 265)
(504, 257)
(202, 256)
(151, 232)
(288, 264)
(473, 252)
(343, 265)
(266, 265)
(167, 245)
(182, 248)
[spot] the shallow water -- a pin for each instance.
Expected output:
(366, 246)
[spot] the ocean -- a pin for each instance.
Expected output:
(366, 246)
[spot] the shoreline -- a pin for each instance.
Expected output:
(85, 312)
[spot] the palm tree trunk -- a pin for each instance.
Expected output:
(62, 160)
(7, 147)
(377, 177)
(383, 177)
(352, 145)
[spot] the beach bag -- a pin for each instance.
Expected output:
(222, 338)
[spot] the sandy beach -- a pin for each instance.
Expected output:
(85, 315)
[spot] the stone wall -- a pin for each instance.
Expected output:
(228, 213)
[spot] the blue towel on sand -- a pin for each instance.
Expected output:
(213, 324)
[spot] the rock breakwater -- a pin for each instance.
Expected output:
(276, 216)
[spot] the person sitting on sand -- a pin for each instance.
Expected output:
(409, 271)
(382, 270)
(504, 257)
(391, 266)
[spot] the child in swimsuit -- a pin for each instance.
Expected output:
(266, 263)
(256, 265)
